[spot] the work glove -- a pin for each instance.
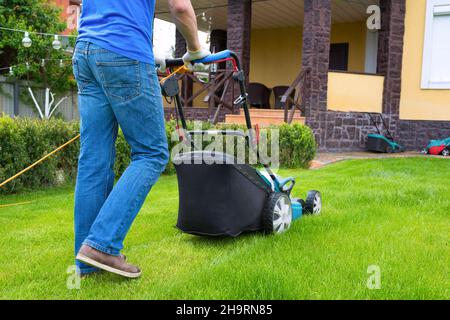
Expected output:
(190, 56)
(160, 64)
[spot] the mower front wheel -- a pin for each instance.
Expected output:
(313, 203)
(277, 213)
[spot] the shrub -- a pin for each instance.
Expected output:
(24, 141)
(297, 146)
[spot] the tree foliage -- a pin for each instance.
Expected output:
(34, 16)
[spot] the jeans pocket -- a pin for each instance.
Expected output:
(82, 82)
(121, 79)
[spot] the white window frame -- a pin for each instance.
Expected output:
(434, 8)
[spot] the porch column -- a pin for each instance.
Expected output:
(316, 58)
(239, 30)
(180, 50)
(218, 42)
(390, 57)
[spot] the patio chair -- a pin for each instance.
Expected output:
(259, 95)
(279, 91)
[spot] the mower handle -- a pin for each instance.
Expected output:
(286, 185)
(212, 58)
(217, 133)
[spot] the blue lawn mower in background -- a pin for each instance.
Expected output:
(218, 196)
(381, 142)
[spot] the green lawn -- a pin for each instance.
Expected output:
(393, 213)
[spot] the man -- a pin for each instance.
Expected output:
(118, 86)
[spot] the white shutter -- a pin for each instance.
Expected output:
(440, 52)
(436, 64)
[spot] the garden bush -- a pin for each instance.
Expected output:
(24, 141)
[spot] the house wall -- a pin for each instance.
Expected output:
(70, 13)
(417, 103)
(351, 92)
(276, 54)
(355, 35)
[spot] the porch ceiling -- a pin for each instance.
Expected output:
(269, 13)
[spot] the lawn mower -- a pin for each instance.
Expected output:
(217, 195)
(438, 147)
(380, 142)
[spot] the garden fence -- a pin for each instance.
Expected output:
(16, 101)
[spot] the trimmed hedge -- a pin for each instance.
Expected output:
(24, 141)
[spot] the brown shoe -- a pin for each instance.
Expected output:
(113, 264)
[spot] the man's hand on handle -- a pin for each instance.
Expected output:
(190, 56)
(160, 62)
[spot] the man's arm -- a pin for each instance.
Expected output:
(186, 22)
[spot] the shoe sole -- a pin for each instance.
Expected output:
(105, 267)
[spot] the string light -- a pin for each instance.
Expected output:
(61, 63)
(33, 32)
(11, 72)
(26, 41)
(56, 44)
(27, 65)
(43, 63)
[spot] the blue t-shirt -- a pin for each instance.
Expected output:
(121, 26)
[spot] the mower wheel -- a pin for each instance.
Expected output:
(313, 203)
(389, 149)
(301, 201)
(446, 152)
(277, 213)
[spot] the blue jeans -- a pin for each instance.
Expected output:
(114, 91)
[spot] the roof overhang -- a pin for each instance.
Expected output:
(267, 14)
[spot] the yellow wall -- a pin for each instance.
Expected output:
(276, 54)
(275, 57)
(415, 103)
(355, 92)
(355, 35)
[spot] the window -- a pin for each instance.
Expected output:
(339, 56)
(436, 61)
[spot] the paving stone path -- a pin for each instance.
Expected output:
(325, 158)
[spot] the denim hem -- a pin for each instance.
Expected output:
(89, 270)
(101, 248)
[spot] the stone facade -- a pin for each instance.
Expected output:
(239, 31)
(315, 58)
(340, 131)
(344, 131)
(390, 58)
(218, 40)
(415, 135)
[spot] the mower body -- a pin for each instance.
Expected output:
(218, 197)
(383, 140)
(379, 143)
(438, 147)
